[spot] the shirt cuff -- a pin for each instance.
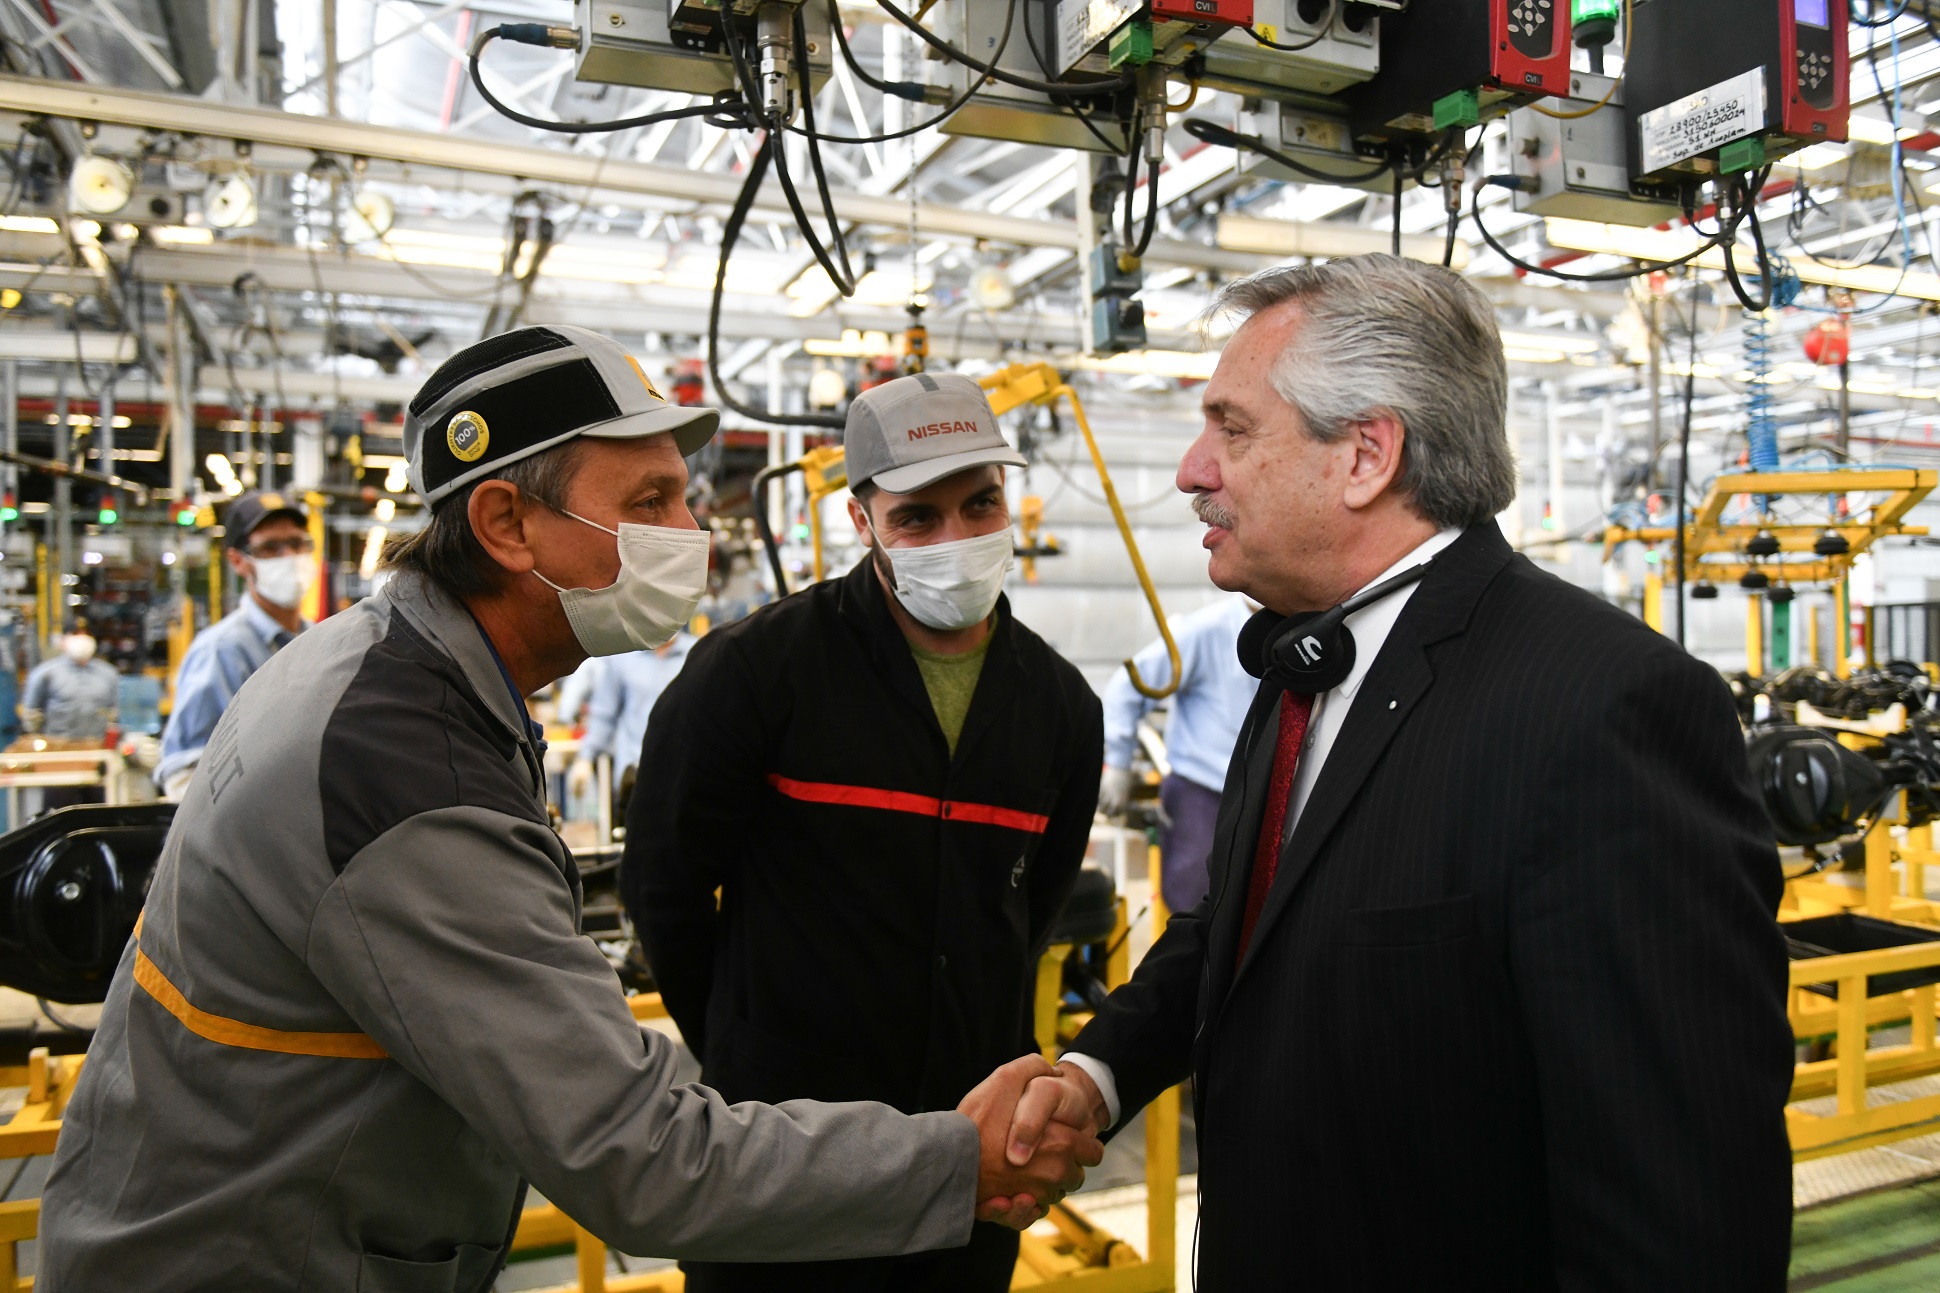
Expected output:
(1100, 1073)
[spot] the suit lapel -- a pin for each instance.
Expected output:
(1400, 677)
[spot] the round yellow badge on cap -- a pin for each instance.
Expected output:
(467, 435)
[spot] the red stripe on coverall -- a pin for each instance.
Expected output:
(900, 801)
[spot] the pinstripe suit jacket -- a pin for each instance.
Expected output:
(1513, 1017)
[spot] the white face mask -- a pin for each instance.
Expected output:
(78, 647)
(950, 586)
(284, 580)
(663, 573)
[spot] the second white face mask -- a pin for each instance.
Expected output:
(663, 574)
(284, 580)
(953, 585)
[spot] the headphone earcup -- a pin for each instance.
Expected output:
(1311, 657)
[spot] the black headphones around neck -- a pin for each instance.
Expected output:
(1311, 653)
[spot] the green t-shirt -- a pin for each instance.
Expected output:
(951, 680)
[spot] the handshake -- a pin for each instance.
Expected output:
(1037, 1130)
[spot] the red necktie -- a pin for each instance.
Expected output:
(1294, 712)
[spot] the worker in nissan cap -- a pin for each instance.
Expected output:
(358, 1016)
(890, 781)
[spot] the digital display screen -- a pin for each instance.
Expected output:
(1811, 12)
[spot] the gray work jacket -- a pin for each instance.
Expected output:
(359, 1013)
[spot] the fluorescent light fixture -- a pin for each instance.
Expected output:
(851, 345)
(386, 509)
(181, 235)
(1816, 157)
(1532, 355)
(1326, 240)
(1191, 365)
(1568, 343)
(1874, 130)
(373, 550)
(1660, 245)
(28, 224)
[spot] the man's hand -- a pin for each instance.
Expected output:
(1064, 1098)
(1016, 1192)
(1114, 791)
(579, 778)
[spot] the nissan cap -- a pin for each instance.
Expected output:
(916, 430)
(522, 392)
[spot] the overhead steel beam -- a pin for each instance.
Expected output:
(34, 97)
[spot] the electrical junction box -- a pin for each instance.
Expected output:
(1008, 112)
(1460, 62)
(1728, 85)
(659, 45)
(1117, 318)
(1580, 166)
(1108, 35)
(1346, 50)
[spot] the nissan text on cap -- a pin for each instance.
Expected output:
(522, 392)
(910, 433)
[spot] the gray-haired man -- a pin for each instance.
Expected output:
(359, 1016)
(1489, 951)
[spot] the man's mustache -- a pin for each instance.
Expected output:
(1212, 513)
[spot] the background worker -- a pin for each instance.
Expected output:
(72, 696)
(269, 547)
(891, 782)
(1203, 724)
(360, 1015)
(616, 716)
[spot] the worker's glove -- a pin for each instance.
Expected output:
(1114, 791)
(30, 720)
(579, 778)
(142, 750)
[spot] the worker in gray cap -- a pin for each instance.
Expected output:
(267, 536)
(358, 1016)
(890, 782)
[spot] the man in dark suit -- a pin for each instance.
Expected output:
(1487, 992)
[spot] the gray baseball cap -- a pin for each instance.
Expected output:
(914, 431)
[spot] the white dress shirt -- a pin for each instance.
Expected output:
(1370, 626)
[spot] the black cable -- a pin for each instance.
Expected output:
(731, 234)
(1745, 193)
(1608, 276)
(911, 90)
(1127, 224)
(921, 126)
(1213, 133)
(719, 106)
(1395, 241)
(1317, 37)
(1891, 17)
(814, 146)
(1684, 470)
(1068, 102)
(949, 51)
(1448, 243)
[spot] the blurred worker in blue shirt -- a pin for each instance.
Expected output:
(72, 696)
(1207, 711)
(616, 717)
(270, 548)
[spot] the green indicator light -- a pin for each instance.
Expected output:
(9, 514)
(185, 517)
(1586, 10)
(109, 516)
